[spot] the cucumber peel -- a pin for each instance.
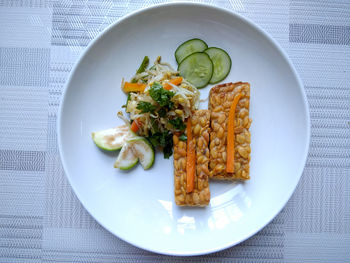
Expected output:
(112, 139)
(143, 150)
(221, 62)
(126, 158)
(197, 68)
(136, 149)
(189, 47)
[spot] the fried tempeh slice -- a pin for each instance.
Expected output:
(220, 100)
(200, 196)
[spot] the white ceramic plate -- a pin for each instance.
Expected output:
(138, 206)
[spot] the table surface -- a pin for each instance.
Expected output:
(41, 219)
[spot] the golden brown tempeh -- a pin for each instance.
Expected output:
(220, 100)
(200, 196)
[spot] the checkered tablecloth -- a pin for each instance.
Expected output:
(41, 219)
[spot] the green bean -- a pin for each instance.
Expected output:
(142, 68)
(143, 65)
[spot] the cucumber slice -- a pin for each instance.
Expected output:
(197, 68)
(143, 150)
(111, 139)
(189, 47)
(136, 149)
(222, 63)
(126, 158)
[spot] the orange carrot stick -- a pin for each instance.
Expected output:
(129, 87)
(135, 125)
(175, 81)
(191, 159)
(230, 162)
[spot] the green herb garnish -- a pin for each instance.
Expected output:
(145, 107)
(168, 150)
(162, 112)
(178, 124)
(154, 125)
(161, 96)
(164, 140)
(183, 137)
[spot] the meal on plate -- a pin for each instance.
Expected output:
(162, 107)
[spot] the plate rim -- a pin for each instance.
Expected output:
(219, 9)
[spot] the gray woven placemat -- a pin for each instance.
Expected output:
(41, 220)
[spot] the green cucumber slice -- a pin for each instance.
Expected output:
(134, 150)
(197, 68)
(189, 47)
(112, 139)
(221, 62)
(143, 150)
(126, 158)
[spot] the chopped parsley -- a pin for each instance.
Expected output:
(183, 137)
(162, 112)
(178, 124)
(161, 96)
(164, 140)
(145, 107)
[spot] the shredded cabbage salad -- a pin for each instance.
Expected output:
(159, 101)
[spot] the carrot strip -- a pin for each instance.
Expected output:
(191, 159)
(175, 81)
(230, 153)
(129, 87)
(135, 125)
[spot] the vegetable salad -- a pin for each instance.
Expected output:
(159, 101)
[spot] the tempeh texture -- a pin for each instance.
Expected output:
(200, 196)
(220, 100)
